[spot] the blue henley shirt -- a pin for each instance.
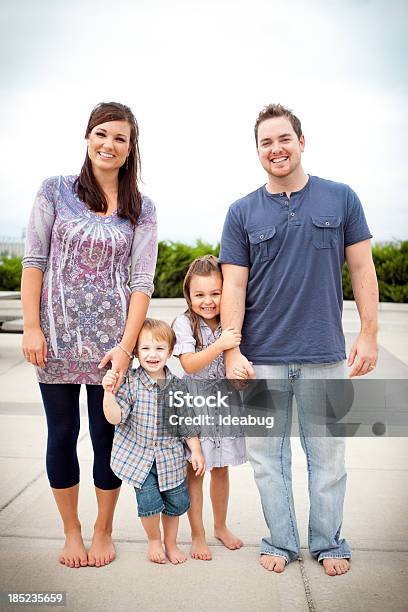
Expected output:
(294, 249)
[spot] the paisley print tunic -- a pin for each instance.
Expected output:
(91, 265)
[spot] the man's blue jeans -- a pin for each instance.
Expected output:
(271, 460)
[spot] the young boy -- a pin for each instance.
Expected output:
(146, 454)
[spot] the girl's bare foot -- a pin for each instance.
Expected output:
(199, 549)
(174, 554)
(336, 567)
(155, 551)
(272, 563)
(227, 538)
(73, 554)
(102, 551)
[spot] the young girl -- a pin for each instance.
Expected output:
(200, 346)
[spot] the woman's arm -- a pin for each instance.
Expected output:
(142, 268)
(35, 259)
(34, 345)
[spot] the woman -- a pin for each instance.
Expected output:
(82, 309)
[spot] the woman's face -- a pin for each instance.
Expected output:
(109, 145)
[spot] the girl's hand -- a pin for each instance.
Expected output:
(230, 338)
(34, 346)
(109, 380)
(120, 363)
(198, 462)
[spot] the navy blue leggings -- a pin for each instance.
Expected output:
(61, 403)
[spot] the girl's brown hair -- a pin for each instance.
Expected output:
(86, 185)
(202, 266)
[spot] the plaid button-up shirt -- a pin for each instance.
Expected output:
(143, 434)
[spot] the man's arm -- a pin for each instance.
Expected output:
(363, 355)
(232, 314)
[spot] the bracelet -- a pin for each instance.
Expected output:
(130, 355)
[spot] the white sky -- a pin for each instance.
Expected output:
(196, 75)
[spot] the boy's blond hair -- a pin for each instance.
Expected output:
(160, 330)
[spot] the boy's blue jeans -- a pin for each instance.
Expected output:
(271, 460)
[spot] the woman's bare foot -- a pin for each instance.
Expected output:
(102, 551)
(199, 549)
(174, 554)
(272, 563)
(155, 551)
(227, 538)
(336, 567)
(73, 554)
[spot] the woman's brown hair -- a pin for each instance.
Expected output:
(86, 185)
(202, 266)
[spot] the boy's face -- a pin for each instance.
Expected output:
(152, 352)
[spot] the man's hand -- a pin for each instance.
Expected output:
(237, 366)
(363, 355)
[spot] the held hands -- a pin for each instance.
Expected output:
(34, 347)
(120, 363)
(198, 462)
(363, 355)
(230, 338)
(109, 381)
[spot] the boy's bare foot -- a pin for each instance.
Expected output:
(227, 538)
(199, 549)
(272, 563)
(155, 551)
(174, 554)
(336, 567)
(73, 554)
(102, 550)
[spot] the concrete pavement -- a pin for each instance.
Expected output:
(375, 518)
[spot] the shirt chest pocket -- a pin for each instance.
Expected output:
(325, 231)
(263, 244)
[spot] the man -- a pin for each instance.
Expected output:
(282, 253)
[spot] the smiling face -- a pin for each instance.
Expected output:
(279, 148)
(152, 353)
(109, 145)
(205, 296)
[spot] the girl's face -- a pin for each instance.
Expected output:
(205, 295)
(109, 145)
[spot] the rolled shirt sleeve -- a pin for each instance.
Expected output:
(185, 341)
(125, 398)
(144, 250)
(40, 225)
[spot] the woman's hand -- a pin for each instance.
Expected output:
(34, 346)
(230, 338)
(120, 363)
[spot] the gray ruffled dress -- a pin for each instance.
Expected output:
(222, 445)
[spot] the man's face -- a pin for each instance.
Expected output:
(279, 148)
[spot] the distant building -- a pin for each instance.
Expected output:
(12, 246)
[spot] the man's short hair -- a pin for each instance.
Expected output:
(277, 110)
(160, 330)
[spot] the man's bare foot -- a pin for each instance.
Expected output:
(227, 538)
(155, 551)
(336, 567)
(102, 551)
(73, 554)
(174, 554)
(272, 563)
(199, 549)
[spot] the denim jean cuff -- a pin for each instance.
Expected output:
(333, 556)
(150, 512)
